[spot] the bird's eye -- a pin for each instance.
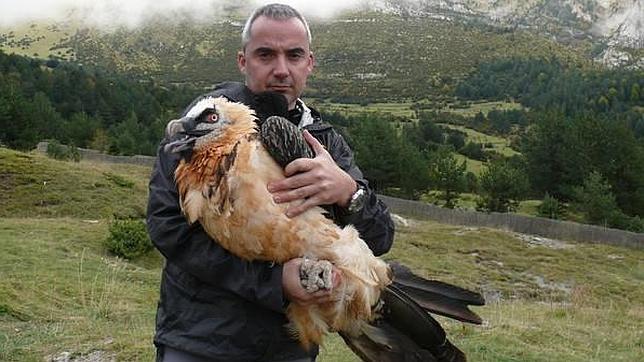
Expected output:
(212, 118)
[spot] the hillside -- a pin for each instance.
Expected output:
(33, 185)
(360, 56)
(62, 294)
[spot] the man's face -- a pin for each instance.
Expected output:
(277, 57)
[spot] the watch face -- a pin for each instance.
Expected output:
(357, 200)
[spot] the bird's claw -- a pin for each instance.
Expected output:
(316, 275)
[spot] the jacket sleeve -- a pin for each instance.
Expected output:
(374, 221)
(192, 250)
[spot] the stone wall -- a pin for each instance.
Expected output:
(554, 229)
(93, 155)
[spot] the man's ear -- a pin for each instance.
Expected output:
(241, 61)
(312, 61)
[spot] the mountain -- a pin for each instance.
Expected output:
(366, 54)
(616, 23)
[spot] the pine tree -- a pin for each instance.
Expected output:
(502, 186)
(447, 175)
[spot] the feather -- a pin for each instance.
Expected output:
(436, 296)
(284, 141)
(199, 107)
(230, 168)
(267, 104)
(222, 185)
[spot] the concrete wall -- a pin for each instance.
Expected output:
(553, 229)
(93, 155)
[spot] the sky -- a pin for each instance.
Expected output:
(132, 12)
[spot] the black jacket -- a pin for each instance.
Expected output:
(220, 306)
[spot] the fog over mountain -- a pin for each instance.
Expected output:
(611, 25)
(132, 13)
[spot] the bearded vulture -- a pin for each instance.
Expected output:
(379, 309)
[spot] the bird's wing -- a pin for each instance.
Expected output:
(405, 331)
(284, 141)
(436, 296)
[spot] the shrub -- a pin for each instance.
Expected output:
(596, 201)
(551, 208)
(58, 151)
(622, 221)
(474, 151)
(471, 182)
(128, 238)
(501, 186)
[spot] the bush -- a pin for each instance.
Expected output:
(58, 151)
(622, 221)
(474, 151)
(128, 238)
(551, 208)
(471, 182)
(596, 201)
(501, 187)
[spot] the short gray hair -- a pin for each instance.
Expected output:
(275, 12)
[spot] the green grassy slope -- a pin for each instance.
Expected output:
(38, 39)
(60, 291)
(34, 185)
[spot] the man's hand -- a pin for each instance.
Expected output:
(294, 291)
(317, 181)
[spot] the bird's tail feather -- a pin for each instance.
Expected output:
(405, 332)
(437, 297)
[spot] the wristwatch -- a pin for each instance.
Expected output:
(358, 200)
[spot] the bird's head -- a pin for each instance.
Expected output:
(206, 121)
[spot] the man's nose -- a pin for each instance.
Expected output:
(280, 69)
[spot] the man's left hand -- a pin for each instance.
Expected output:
(314, 181)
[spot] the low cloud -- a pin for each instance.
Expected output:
(132, 13)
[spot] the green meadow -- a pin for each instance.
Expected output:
(63, 294)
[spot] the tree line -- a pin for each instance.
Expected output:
(85, 107)
(587, 165)
(542, 85)
(578, 160)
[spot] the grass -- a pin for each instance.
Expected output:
(397, 109)
(38, 186)
(60, 291)
(474, 166)
(483, 107)
(499, 144)
(404, 109)
(36, 39)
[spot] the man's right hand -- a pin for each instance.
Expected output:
(295, 293)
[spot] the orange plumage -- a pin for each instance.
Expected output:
(223, 187)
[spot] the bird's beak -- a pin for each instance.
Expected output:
(173, 127)
(186, 143)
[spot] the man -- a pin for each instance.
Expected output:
(214, 306)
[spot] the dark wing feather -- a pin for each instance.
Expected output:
(437, 297)
(405, 332)
(381, 342)
(284, 141)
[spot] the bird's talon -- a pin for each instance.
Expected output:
(316, 275)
